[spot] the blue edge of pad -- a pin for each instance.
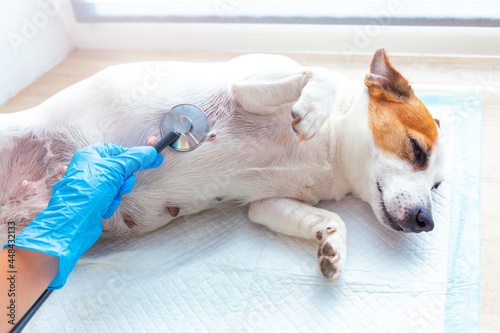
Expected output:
(462, 303)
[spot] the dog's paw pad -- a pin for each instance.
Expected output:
(327, 250)
(329, 269)
(328, 257)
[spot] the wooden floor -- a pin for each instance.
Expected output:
(427, 74)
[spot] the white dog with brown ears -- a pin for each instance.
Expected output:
(282, 137)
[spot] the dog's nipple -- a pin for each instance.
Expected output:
(25, 183)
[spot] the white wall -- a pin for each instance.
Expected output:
(33, 39)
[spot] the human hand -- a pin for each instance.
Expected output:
(90, 190)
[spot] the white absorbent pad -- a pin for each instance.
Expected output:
(218, 272)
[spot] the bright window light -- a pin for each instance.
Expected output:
(388, 12)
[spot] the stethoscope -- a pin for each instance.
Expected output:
(183, 128)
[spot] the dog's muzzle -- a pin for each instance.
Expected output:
(417, 219)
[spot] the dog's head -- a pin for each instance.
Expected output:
(405, 164)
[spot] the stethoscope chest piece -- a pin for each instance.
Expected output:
(189, 123)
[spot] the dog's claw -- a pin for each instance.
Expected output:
(331, 230)
(295, 121)
(295, 127)
(301, 137)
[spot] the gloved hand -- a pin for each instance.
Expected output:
(90, 190)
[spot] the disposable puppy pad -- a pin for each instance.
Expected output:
(218, 272)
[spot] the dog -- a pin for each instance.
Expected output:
(281, 138)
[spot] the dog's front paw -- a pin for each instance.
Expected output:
(315, 103)
(307, 118)
(331, 253)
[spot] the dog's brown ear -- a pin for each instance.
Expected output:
(384, 76)
(437, 122)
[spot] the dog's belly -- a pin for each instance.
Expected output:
(243, 159)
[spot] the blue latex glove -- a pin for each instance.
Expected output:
(90, 190)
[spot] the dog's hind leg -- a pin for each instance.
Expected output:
(295, 218)
(261, 95)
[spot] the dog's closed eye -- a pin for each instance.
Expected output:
(418, 152)
(436, 186)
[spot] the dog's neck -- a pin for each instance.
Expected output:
(354, 142)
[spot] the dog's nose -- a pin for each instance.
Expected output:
(423, 220)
